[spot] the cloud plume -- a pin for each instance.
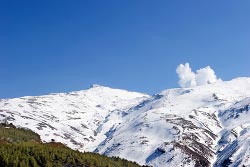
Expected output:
(188, 78)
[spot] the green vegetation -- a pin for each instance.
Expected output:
(23, 148)
(10, 133)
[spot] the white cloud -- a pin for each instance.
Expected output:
(202, 76)
(205, 76)
(187, 77)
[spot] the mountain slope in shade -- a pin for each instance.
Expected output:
(206, 125)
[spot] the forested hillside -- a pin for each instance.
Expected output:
(22, 148)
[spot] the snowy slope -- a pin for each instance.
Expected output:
(182, 126)
(79, 119)
(205, 125)
(234, 145)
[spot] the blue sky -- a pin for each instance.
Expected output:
(59, 46)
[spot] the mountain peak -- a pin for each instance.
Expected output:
(95, 86)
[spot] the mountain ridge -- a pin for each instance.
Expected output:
(180, 126)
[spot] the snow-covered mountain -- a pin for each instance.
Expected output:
(78, 119)
(205, 125)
